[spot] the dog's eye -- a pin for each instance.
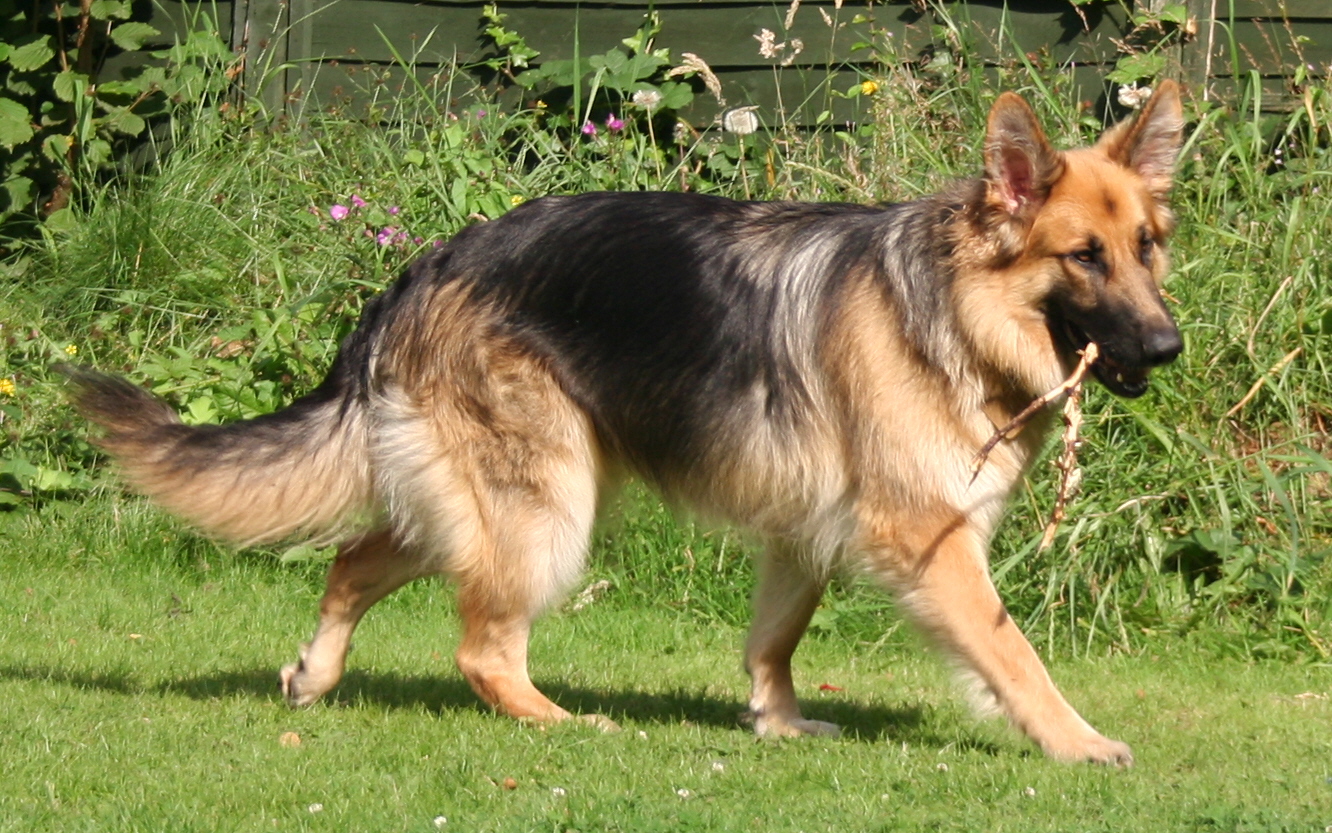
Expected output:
(1086, 257)
(1145, 250)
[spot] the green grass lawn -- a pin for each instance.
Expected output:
(138, 692)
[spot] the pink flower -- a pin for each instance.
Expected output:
(390, 235)
(416, 241)
(357, 201)
(589, 129)
(614, 123)
(393, 210)
(338, 212)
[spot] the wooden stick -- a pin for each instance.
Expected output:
(1015, 426)
(1070, 476)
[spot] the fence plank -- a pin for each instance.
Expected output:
(310, 35)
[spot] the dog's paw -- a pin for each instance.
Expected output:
(1097, 749)
(1111, 753)
(795, 727)
(294, 680)
(599, 721)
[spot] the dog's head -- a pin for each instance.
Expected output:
(1088, 228)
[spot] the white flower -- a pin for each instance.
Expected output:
(1133, 96)
(683, 793)
(718, 766)
(740, 120)
(558, 792)
(316, 808)
(647, 99)
(440, 821)
(1029, 792)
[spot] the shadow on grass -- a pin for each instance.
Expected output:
(867, 723)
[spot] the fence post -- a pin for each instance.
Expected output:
(260, 27)
(1196, 52)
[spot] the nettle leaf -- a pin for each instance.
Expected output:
(15, 123)
(32, 55)
(130, 36)
(107, 9)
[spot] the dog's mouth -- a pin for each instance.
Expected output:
(1121, 379)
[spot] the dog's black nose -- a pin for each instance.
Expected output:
(1161, 346)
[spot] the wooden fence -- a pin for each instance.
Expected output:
(300, 53)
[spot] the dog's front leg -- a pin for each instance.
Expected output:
(946, 587)
(785, 601)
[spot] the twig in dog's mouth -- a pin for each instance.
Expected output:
(1015, 425)
(1070, 476)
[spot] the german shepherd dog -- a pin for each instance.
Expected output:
(819, 374)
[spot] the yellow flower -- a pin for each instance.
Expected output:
(71, 350)
(7, 386)
(541, 105)
(516, 200)
(868, 87)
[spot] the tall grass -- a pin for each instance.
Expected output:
(222, 276)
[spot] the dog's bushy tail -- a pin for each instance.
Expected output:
(300, 473)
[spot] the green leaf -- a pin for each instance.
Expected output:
(17, 191)
(1176, 13)
(69, 85)
(15, 123)
(132, 86)
(675, 95)
(122, 120)
(62, 221)
(130, 36)
(56, 147)
(107, 9)
(97, 151)
(32, 55)
(51, 479)
(413, 157)
(1132, 68)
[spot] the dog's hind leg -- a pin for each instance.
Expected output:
(946, 587)
(787, 596)
(367, 569)
(526, 550)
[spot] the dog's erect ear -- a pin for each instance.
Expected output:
(1150, 143)
(1020, 164)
